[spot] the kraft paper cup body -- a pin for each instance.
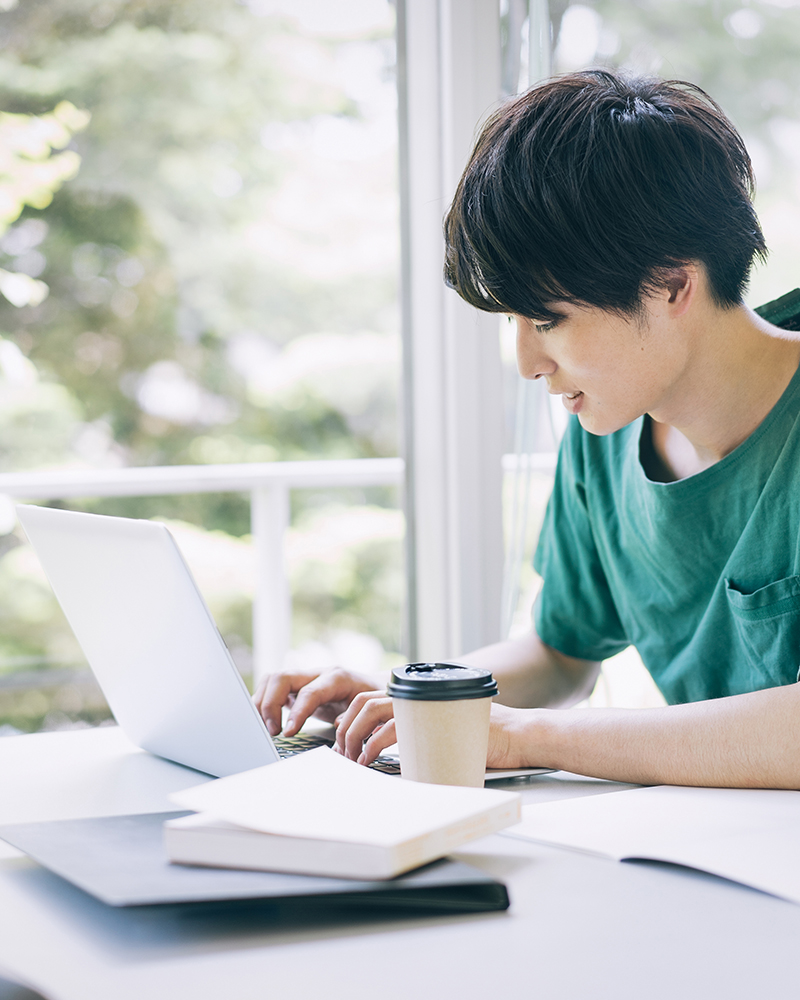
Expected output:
(442, 740)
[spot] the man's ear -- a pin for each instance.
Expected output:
(680, 288)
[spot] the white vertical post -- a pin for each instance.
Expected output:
(449, 59)
(272, 603)
(540, 46)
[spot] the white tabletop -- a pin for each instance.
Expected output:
(579, 927)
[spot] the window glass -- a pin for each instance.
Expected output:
(206, 273)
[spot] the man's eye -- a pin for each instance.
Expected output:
(545, 327)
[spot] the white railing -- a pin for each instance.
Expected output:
(269, 485)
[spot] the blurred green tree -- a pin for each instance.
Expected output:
(163, 306)
(230, 235)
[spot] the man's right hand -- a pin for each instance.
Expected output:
(324, 695)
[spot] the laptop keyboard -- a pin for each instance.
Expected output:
(289, 746)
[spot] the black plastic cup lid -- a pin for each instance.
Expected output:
(441, 682)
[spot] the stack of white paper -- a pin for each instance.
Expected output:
(320, 814)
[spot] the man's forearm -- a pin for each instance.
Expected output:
(746, 741)
(531, 674)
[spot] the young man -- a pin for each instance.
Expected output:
(612, 220)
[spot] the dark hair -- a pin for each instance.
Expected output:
(593, 188)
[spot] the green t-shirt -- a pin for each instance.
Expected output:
(701, 575)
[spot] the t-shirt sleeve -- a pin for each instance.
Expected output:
(575, 611)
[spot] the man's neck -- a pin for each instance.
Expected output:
(739, 370)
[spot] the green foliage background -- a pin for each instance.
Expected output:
(185, 315)
(147, 251)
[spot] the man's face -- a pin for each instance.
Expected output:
(608, 369)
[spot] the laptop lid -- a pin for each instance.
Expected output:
(150, 639)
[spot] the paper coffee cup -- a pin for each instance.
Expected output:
(441, 713)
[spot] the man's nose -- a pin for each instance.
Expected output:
(533, 361)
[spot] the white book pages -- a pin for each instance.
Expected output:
(747, 835)
(322, 795)
(197, 839)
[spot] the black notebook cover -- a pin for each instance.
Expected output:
(121, 861)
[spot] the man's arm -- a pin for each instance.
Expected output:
(528, 673)
(531, 674)
(745, 741)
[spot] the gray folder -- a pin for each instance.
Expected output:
(120, 860)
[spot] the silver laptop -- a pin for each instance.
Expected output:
(152, 644)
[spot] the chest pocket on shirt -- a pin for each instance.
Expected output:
(768, 624)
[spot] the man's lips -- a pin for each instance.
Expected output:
(573, 401)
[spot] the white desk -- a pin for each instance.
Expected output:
(579, 928)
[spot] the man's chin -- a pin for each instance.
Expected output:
(600, 428)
